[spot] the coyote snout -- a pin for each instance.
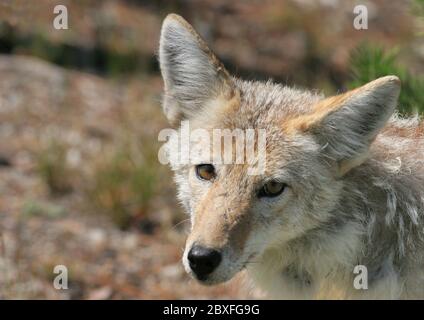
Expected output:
(216, 248)
(341, 184)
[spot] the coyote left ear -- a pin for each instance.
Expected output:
(346, 125)
(192, 74)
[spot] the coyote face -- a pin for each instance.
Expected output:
(313, 147)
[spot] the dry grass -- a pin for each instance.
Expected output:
(123, 185)
(53, 169)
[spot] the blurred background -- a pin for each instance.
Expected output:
(80, 183)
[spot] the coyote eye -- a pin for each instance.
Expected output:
(271, 189)
(205, 171)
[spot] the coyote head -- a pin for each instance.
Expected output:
(312, 144)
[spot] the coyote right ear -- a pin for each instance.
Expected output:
(346, 125)
(192, 74)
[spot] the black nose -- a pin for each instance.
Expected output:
(203, 261)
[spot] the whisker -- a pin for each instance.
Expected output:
(178, 223)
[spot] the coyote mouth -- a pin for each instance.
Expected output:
(217, 278)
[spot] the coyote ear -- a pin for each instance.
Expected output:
(346, 124)
(192, 74)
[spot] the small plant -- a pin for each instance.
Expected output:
(33, 208)
(53, 170)
(123, 186)
(418, 7)
(369, 63)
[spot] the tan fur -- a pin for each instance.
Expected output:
(220, 221)
(307, 122)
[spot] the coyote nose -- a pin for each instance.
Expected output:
(203, 261)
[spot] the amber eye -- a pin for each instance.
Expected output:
(272, 189)
(205, 171)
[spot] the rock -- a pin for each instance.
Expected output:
(96, 237)
(173, 271)
(102, 293)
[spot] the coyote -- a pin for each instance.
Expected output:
(343, 184)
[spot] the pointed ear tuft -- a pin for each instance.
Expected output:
(346, 125)
(192, 74)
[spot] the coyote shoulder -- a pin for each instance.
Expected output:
(342, 185)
